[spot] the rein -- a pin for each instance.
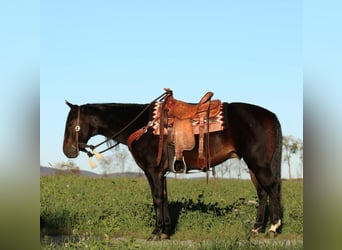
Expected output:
(92, 147)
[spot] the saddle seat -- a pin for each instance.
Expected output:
(183, 110)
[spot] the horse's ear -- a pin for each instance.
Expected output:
(69, 104)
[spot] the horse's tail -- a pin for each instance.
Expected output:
(277, 153)
(276, 170)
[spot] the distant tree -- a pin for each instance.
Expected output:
(301, 153)
(225, 168)
(118, 159)
(106, 164)
(241, 167)
(291, 146)
(68, 166)
(233, 167)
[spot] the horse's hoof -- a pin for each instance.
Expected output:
(164, 236)
(157, 237)
(256, 231)
(154, 237)
(271, 234)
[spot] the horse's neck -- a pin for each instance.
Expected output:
(115, 118)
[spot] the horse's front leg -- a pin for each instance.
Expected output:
(157, 183)
(166, 214)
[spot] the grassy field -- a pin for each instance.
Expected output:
(117, 213)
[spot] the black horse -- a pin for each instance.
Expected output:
(250, 132)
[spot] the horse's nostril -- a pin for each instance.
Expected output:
(71, 152)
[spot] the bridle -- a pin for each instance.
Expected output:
(92, 147)
(77, 129)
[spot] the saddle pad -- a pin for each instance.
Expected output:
(215, 123)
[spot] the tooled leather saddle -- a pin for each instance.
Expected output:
(181, 121)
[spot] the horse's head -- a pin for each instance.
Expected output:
(77, 131)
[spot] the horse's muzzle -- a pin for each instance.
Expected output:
(71, 152)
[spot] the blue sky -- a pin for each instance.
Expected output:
(127, 51)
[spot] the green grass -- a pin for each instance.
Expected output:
(106, 213)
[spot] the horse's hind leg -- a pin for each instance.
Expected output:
(259, 225)
(272, 185)
(275, 206)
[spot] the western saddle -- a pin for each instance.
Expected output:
(185, 120)
(180, 122)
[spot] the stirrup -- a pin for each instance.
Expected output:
(182, 171)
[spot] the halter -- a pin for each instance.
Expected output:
(77, 129)
(92, 147)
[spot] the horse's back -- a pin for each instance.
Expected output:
(247, 110)
(245, 115)
(255, 130)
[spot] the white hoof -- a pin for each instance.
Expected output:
(256, 230)
(274, 227)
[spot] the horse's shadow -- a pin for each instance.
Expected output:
(55, 225)
(189, 205)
